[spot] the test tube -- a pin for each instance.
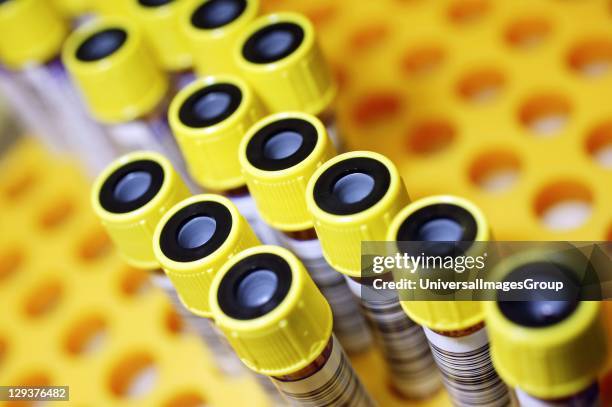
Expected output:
(280, 326)
(130, 196)
(353, 198)
(455, 329)
(279, 56)
(35, 81)
(209, 118)
(159, 21)
(278, 156)
(211, 28)
(191, 242)
(550, 352)
(123, 85)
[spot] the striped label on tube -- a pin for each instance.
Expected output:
(334, 384)
(467, 370)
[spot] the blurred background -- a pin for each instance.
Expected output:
(503, 102)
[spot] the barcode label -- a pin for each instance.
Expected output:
(404, 346)
(350, 326)
(467, 371)
(335, 384)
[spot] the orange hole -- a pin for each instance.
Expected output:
(481, 86)
(528, 32)
(431, 136)
(377, 107)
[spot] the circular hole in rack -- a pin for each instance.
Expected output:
(495, 171)
(57, 214)
(134, 376)
(322, 15)
(467, 11)
(527, 33)
(599, 144)
(564, 205)
(3, 349)
(431, 136)
(377, 107)
(592, 58)
(95, 245)
(20, 185)
(35, 379)
(11, 259)
(44, 298)
(545, 115)
(134, 282)
(86, 335)
(188, 398)
(422, 60)
(368, 37)
(481, 86)
(173, 321)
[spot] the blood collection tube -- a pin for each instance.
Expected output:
(279, 56)
(35, 82)
(191, 242)
(455, 329)
(280, 325)
(550, 352)
(123, 85)
(278, 155)
(211, 28)
(130, 196)
(353, 198)
(209, 118)
(159, 21)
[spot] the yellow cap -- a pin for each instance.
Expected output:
(31, 32)
(160, 24)
(194, 239)
(72, 8)
(550, 354)
(114, 8)
(209, 118)
(296, 77)
(130, 196)
(278, 156)
(549, 362)
(285, 333)
(112, 66)
(212, 39)
(443, 315)
(353, 198)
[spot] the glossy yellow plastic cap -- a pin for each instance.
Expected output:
(209, 118)
(353, 198)
(552, 354)
(194, 239)
(31, 32)
(443, 316)
(160, 24)
(130, 196)
(211, 28)
(553, 362)
(111, 64)
(278, 156)
(271, 311)
(278, 54)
